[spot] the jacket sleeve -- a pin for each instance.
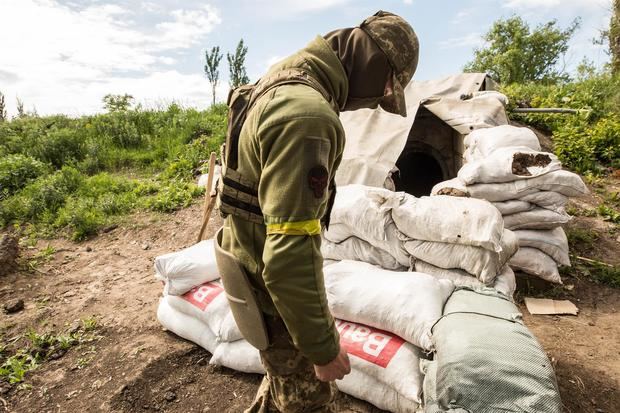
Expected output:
(298, 157)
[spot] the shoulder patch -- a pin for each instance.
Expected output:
(317, 180)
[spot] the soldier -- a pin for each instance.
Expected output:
(282, 185)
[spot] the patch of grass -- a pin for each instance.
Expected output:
(29, 351)
(597, 272)
(43, 256)
(580, 239)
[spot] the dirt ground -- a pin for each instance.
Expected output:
(137, 366)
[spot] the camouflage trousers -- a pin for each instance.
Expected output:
(290, 385)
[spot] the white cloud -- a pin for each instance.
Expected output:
(469, 40)
(59, 56)
(548, 4)
(292, 8)
(462, 16)
(408, 1)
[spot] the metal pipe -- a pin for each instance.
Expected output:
(548, 110)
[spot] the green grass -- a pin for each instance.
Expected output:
(74, 176)
(27, 352)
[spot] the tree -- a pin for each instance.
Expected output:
(514, 53)
(21, 112)
(117, 103)
(614, 38)
(3, 115)
(236, 66)
(212, 67)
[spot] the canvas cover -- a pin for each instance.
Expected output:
(375, 138)
(482, 344)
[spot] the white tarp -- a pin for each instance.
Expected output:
(375, 139)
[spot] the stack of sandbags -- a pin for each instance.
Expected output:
(385, 367)
(194, 305)
(396, 231)
(486, 360)
(505, 165)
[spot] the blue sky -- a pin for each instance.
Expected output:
(63, 56)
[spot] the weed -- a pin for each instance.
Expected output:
(597, 272)
(36, 348)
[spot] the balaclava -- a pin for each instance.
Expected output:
(365, 64)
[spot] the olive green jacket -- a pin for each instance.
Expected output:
(291, 133)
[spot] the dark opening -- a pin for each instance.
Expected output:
(419, 172)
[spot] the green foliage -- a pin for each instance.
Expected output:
(3, 114)
(588, 142)
(212, 67)
(16, 171)
(77, 175)
(173, 196)
(236, 66)
(117, 103)
(32, 349)
(515, 53)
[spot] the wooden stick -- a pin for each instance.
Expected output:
(209, 197)
(593, 261)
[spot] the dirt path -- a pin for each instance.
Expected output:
(136, 366)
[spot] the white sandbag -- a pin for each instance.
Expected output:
(389, 242)
(404, 303)
(482, 263)
(505, 281)
(209, 304)
(185, 269)
(451, 187)
(238, 355)
(512, 206)
(387, 358)
(367, 388)
(507, 165)
(484, 141)
(187, 327)
(537, 218)
(547, 199)
(552, 242)
(564, 182)
(450, 219)
(503, 99)
(356, 249)
(204, 178)
(363, 211)
(536, 262)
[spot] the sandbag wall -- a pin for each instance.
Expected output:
(385, 336)
(460, 239)
(505, 165)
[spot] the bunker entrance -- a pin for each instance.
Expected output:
(419, 172)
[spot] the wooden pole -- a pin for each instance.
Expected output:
(209, 197)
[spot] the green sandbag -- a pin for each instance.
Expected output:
(486, 360)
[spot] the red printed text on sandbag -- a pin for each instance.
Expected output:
(371, 344)
(203, 295)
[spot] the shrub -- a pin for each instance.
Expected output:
(45, 195)
(58, 147)
(16, 171)
(588, 142)
(173, 196)
(83, 217)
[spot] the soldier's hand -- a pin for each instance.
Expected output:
(335, 369)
